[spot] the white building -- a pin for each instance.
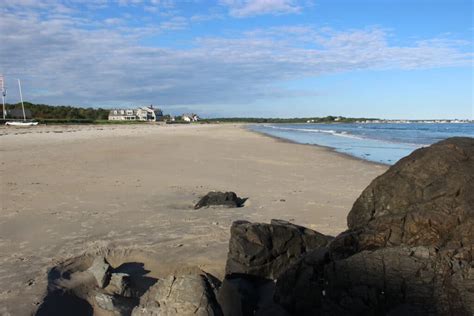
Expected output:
(190, 117)
(146, 113)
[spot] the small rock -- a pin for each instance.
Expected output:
(100, 269)
(227, 199)
(120, 284)
(119, 306)
(104, 301)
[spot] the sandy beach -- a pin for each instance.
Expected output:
(66, 190)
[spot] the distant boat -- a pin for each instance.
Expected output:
(18, 123)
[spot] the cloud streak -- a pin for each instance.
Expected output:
(61, 61)
(245, 8)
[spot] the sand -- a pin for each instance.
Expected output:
(67, 190)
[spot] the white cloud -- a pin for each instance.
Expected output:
(61, 61)
(244, 8)
(175, 23)
(129, 2)
(206, 17)
(113, 21)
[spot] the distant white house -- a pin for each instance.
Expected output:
(190, 117)
(145, 113)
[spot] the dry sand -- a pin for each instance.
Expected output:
(66, 190)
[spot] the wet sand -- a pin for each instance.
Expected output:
(67, 190)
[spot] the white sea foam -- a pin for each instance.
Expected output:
(314, 130)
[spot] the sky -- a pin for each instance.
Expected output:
(404, 59)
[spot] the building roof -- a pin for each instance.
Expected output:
(135, 110)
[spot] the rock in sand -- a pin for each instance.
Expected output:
(226, 199)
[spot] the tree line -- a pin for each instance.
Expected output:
(63, 112)
(50, 113)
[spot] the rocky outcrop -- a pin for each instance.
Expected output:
(266, 250)
(192, 294)
(225, 199)
(258, 254)
(409, 247)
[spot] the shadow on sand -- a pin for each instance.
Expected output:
(75, 300)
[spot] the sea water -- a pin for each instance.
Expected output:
(378, 142)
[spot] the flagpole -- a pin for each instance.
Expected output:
(21, 98)
(4, 93)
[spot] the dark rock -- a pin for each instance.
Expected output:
(193, 294)
(226, 199)
(266, 250)
(409, 247)
(423, 199)
(301, 288)
(369, 282)
(237, 297)
(242, 295)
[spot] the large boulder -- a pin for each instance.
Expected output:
(266, 250)
(424, 199)
(409, 247)
(193, 294)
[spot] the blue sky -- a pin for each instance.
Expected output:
(269, 58)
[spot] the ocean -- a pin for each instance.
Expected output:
(377, 142)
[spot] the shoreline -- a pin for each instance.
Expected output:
(330, 149)
(245, 126)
